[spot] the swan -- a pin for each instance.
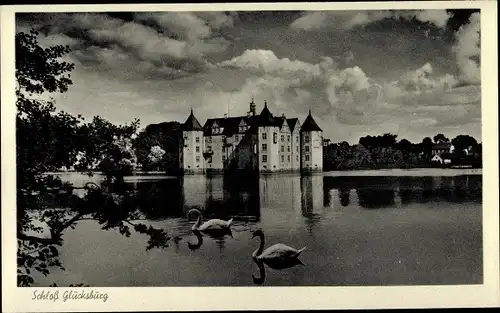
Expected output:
(194, 246)
(259, 280)
(276, 255)
(210, 225)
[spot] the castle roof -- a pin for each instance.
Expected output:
(266, 118)
(442, 145)
(230, 125)
(291, 123)
(310, 124)
(192, 124)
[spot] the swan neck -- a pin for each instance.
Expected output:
(261, 245)
(200, 218)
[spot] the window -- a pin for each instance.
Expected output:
(209, 148)
(288, 158)
(287, 137)
(209, 139)
(264, 136)
(297, 148)
(264, 147)
(306, 139)
(264, 158)
(282, 148)
(282, 137)
(296, 138)
(275, 138)
(197, 149)
(307, 157)
(306, 148)
(282, 158)
(296, 158)
(197, 139)
(288, 148)
(223, 158)
(197, 159)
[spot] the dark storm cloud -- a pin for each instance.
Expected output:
(174, 42)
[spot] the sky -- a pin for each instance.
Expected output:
(414, 73)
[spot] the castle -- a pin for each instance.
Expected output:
(262, 143)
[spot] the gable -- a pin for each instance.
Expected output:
(296, 128)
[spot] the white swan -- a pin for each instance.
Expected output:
(278, 254)
(210, 225)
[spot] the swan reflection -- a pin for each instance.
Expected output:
(273, 264)
(262, 273)
(218, 236)
(197, 245)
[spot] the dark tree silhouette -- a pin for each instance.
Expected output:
(47, 140)
(441, 137)
(462, 142)
(427, 147)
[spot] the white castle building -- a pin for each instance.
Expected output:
(263, 143)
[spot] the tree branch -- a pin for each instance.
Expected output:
(46, 241)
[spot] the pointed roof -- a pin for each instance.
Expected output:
(310, 124)
(192, 124)
(291, 123)
(265, 111)
(266, 118)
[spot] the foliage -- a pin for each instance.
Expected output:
(440, 137)
(155, 156)
(166, 136)
(462, 143)
(47, 140)
(383, 151)
(108, 147)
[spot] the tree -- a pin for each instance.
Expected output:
(440, 137)
(427, 147)
(405, 145)
(46, 140)
(165, 135)
(462, 143)
(156, 155)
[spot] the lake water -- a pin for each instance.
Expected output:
(359, 230)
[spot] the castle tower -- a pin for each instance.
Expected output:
(192, 145)
(268, 140)
(252, 108)
(311, 145)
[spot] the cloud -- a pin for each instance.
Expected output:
(265, 61)
(350, 19)
(422, 80)
(178, 45)
(218, 20)
(437, 17)
(468, 50)
(348, 95)
(186, 25)
(156, 68)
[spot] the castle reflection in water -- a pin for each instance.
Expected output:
(243, 197)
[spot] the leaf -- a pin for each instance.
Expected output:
(41, 256)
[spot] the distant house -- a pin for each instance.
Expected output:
(442, 147)
(437, 159)
(326, 142)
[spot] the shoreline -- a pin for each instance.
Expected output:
(354, 172)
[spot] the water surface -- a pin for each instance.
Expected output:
(359, 230)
